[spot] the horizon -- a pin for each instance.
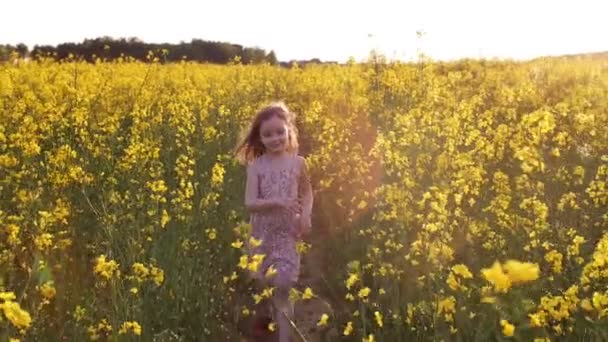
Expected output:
(450, 30)
(31, 47)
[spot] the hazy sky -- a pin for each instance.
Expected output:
(329, 30)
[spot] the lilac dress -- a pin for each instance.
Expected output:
(277, 227)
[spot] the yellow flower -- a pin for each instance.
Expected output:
(586, 305)
(257, 298)
(79, 313)
(217, 174)
(507, 328)
(165, 218)
(256, 262)
(349, 329)
(555, 257)
(237, 244)
(243, 262)
(157, 275)
(378, 317)
(447, 306)
(130, 326)
(536, 320)
(140, 271)
(294, 295)
(558, 329)
(106, 269)
(453, 282)
(253, 242)
(47, 290)
(308, 294)
(323, 320)
(271, 271)
(157, 186)
(272, 326)
(462, 270)
(267, 292)
(352, 279)
(13, 312)
(44, 241)
(599, 300)
(488, 300)
(497, 277)
(369, 338)
(302, 247)
(6, 296)
(520, 272)
(364, 292)
(102, 327)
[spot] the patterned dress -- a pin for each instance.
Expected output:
(277, 227)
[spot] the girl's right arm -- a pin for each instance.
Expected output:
(252, 202)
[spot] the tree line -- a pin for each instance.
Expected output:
(110, 49)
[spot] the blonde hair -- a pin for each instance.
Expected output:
(251, 146)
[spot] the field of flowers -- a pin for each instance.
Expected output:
(462, 201)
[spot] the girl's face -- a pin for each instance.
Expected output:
(274, 134)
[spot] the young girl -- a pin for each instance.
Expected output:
(279, 198)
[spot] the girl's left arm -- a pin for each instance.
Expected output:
(305, 189)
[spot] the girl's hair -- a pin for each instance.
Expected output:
(251, 146)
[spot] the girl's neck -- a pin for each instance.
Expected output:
(273, 156)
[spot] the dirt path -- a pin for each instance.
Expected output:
(308, 312)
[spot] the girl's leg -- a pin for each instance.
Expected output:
(283, 309)
(263, 310)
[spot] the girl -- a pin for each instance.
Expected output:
(279, 198)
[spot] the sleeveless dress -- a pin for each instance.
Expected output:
(277, 227)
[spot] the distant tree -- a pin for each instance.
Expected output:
(22, 49)
(6, 50)
(43, 50)
(196, 50)
(272, 58)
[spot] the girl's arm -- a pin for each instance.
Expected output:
(252, 202)
(305, 189)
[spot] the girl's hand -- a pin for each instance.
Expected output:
(305, 225)
(292, 205)
(302, 226)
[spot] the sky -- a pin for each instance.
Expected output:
(329, 30)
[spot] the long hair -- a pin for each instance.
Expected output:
(251, 146)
